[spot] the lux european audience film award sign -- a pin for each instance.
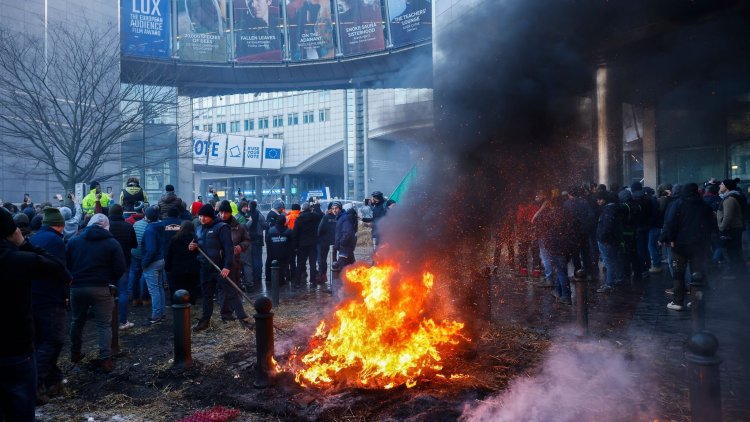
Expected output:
(145, 28)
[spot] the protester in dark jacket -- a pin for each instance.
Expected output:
(346, 234)
(152, 261)
(578, 207)
(609, 237)
(558, 232)
(181, 265)
(229, 297)
(96, 260)
(125, 236)
(255, 227)
(279, 247)
(168, 200)
(132, 194)
(326, 239)
(306, 239)
(20, 262)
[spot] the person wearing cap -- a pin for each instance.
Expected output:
(731, 224)
(277, 209)
(214, 238)
(95, 198)
(49, 298)
(167, 201)
(228, 296)
(132, 193)
(379, 210)
(96, 260)
(152, 262)
(20, 263)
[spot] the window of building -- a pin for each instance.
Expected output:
(278, 120)
(221, 111)
(221, 128)
(249, 124)
(292, 119)
(263, 123)
(234, 127)
(308, 117)
(208, 128)
(278, 135)
(324, 115)
(196, 128)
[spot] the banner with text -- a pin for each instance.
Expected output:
(217, 152)
(253, 147)
(362, 26)
(272, 153)
(201, 144)
(202, 30)
(257, 30)
(410, 20)
(310, 26)
(235, 148)
(145, 28)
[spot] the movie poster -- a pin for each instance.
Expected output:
(310, 26)
(362, 26)
(201, 30)
(257, 30)
(411, 21)
(145, 28)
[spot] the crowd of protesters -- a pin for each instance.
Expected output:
(632, 232)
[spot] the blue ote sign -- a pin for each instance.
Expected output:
(145, 28)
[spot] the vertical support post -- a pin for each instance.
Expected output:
(181, 329)
(336, 279)
(275, 282)
(696, 306)
(114, 291)
(582, 306)
(703, 370)
(264, 369)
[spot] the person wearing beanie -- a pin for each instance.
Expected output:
(256, 224)
(132, 193)
(161, 233)
(20, 263)
(152, 263)
(608, 239)
(731, 224)
(379, 211)
(306, 240)
(22, 221)
(96, 260)
(167, 201)
(214, 238)
(125, 236)
(95, 198)
(280, 247)
(277, 209)
(228, 297)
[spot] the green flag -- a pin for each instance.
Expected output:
(402, 187)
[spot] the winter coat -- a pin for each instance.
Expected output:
(160, 232)
(306, 229)
(239, 238)
(140, 228)
(582, 213)
(95, 258)
(178, 259)
(19, 265)
(291, 218)
(729, 214)
(378, 212)
(49, 291)
(168, 201)
(89, 201)
(125, 235)
(279, 242)
(558, 230)
(72, 223)
(688, 222)
(609, 226)
(130, 195)
(327, 230)
(346, 233)
(271, 218)
(256, 226)
(133, 218)
(215, 240)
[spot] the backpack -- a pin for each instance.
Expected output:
(633, 215)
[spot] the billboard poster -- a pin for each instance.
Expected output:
(217, 149)
(362, 26)
(411, 21)
(310, 26)
(235, 149)
(145, 28)
(272, 153)
(253, 148)
(257, 30)
(201, 30)
(201, 144)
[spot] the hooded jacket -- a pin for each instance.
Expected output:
(609, 227)
(688, 222)
(306, 228)
(95, 258)
(124, 234)
(327, 230)
(279, 242)
(168, 201)
(130, 195)
(346, 233)
(729, 214)
(49, 292)
(89, 201)
(71, 223)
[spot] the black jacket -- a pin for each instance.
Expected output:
(179, 260)
(125, 235)
(19, 265)
(306, 228)
(95, 258)
(279, 242)
(49, 292)
(689, 222)
(609, 227)
(346, 233)
(168, 201)
(327, 230)
(216, 241)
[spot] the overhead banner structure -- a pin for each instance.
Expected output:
(310, 26)
(362, 26)
(217, 150)
(145, 28)
(201, 144)
(272, 153)
(253, 147)
(202, 30)
(257, 30)
(411, 21)
(235, 149)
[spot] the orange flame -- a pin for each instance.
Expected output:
(381, 339)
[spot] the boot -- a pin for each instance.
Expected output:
(201, 325)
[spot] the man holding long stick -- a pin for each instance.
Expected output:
(215, 239)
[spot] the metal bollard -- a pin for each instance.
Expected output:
(181, 310)
(336, 279)
(703, 370)
(696, 306)
(582, 305)
(115, 292)
(264, 368)
(275, 273)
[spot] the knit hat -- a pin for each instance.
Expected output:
(7, 225)
(207, 210)
(224, 206)
(52, 217)
(296, 207)
(169, 188)
(152, 213)
(278, 205)
(138, 206)
(636, 186)
(625, 195)
(730, 184)
(21, 219)
(305, 206)
(93, 184)
(115, 209)
(689, 190)
(281, 221)
(100, 220)
(377, 194)
(336, 204)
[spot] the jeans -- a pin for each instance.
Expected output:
(653, 247)
(323, 252)
(49, 336)
(81, 298)
(562, 285)
(610, 254)
(136, 282)
(155, 283)
(546, 261)
(257, 259)
(122, 298)
(685, 259)
(211, 281)
(17, 388)
(731, 240)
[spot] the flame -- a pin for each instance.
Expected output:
(380, 339)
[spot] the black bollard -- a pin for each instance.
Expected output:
(264, 369)
(181, 328)
(697, 286)
(336, 279)
(582, 305)
(703, 369)
(275, 273)
(114, 291)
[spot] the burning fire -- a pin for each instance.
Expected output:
(381, 338)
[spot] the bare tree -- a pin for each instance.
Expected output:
(62, 102)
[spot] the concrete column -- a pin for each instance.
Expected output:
(258, 188)
(650, 159)
(288, 191)
(608, 128)
(186, 186)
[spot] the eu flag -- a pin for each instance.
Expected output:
(273, 153)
